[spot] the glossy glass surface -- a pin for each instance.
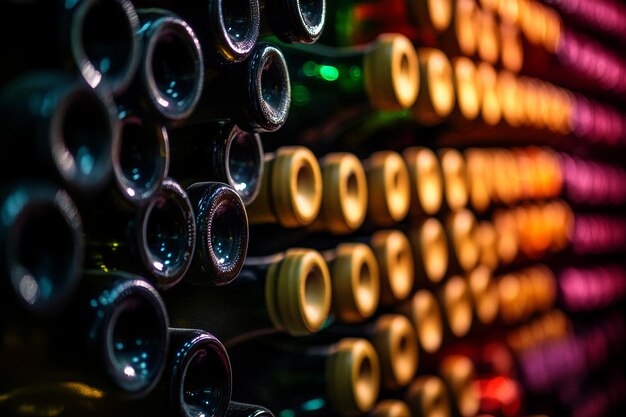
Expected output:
(245, 164)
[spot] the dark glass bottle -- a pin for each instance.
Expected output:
(289, 292)
(41, 247)
(459, 374)
(112, 337)
(56, 124)
(239, 409)
(219, 151)
(141, 162)
(426, 180)
(290, 376)
(291, 189)
(424, 311)
(227, 29)
(351, 22)
(333, 85)
(254, 93)
(430, 249)
(170, 78)
(97, 39)
(157, 240)
(394, 339)
(456, 306)
(428, 396)
(461, 236)
(293, 21)
(221, 233)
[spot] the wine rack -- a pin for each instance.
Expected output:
(313, 208)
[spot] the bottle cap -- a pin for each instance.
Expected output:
(344, 201)
(298, 292)
(435, 14)
(396, 343)
(508, 94)
(479, 178)
(430, 246)
(488, 40)
(436, 99)
(391, 72)
(457, 305)
(395, 261)
(235, 26)
(461, 227)
(428, 396)
(391, 408)
(355, 281)
(484, 293)
(426, 179)
(487, 239)
(389, 191)
(458, 372)
(425, 313)
(291, 189)
(490, 109)
(454, 178)
(465, 29)
(511, 47)
(467, 94)
(353, 376)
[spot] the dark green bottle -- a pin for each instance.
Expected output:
(291, 375)
(289, 293)
(293, 21)
(219, 151)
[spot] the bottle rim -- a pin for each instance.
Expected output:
(28, 200)
(139, 192)
(426, 179)
(425, 313)
(484, 294)
(430, 245)
(428, 395)
(391, 407)
(244, 164)
(353, 376)
(465, 84)
(436, 98)
(169, 103)
(396, 263)
(345, 193)
(397, 347)
(235, 47)
(454, 174)
(387, 177)
(95, 76)
(457, 305)
(458, 372)
(462, 227)
(167, 272)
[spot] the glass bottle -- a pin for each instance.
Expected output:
(219, 151)
(424, 311)
(394, 339)
(41, 247)
(457, 307)
(458, 373)
(291, 189)
(221, 233)
(227, 29)
(461, 233)
(157, 240)
(254, 93)
(171, 72)
(426, 180)
(293, 21)
(62, 126)
(352, 22)
(96, 40)
(428, 395)
(239, 409)
(430, 250)
(289, 292)
(333, 85)
(113, 337)
(337, 378)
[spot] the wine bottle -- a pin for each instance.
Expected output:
(484, 292)
(424, 311)
(254, 93)
(239, 409)
(289, 292)
(219, 151)
(488, 36)
(221, 233)
(292, 21)
(291, 189)
(96, 40)
(357, 22)
(113, 337)
(390, 408)
(436, 99)
(396, 263)
(335, 87)
(42, 247)
(227, 30)
(479, 178)
(459, 374)
(457, 308)
(62, 126)
(426, 180)
(171, 72)
(337, 378)
(454, 172)
(141, 162)
(394, 339)
(157, 240)
(487, 240)
(355, 282)
(430, 251)
(428, 396)
(461, 236)
(466, 90)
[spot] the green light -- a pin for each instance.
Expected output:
(309, 68)
(329, 73)
(287, 413)
(300, 95)
(314, 404)
(355, 73)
